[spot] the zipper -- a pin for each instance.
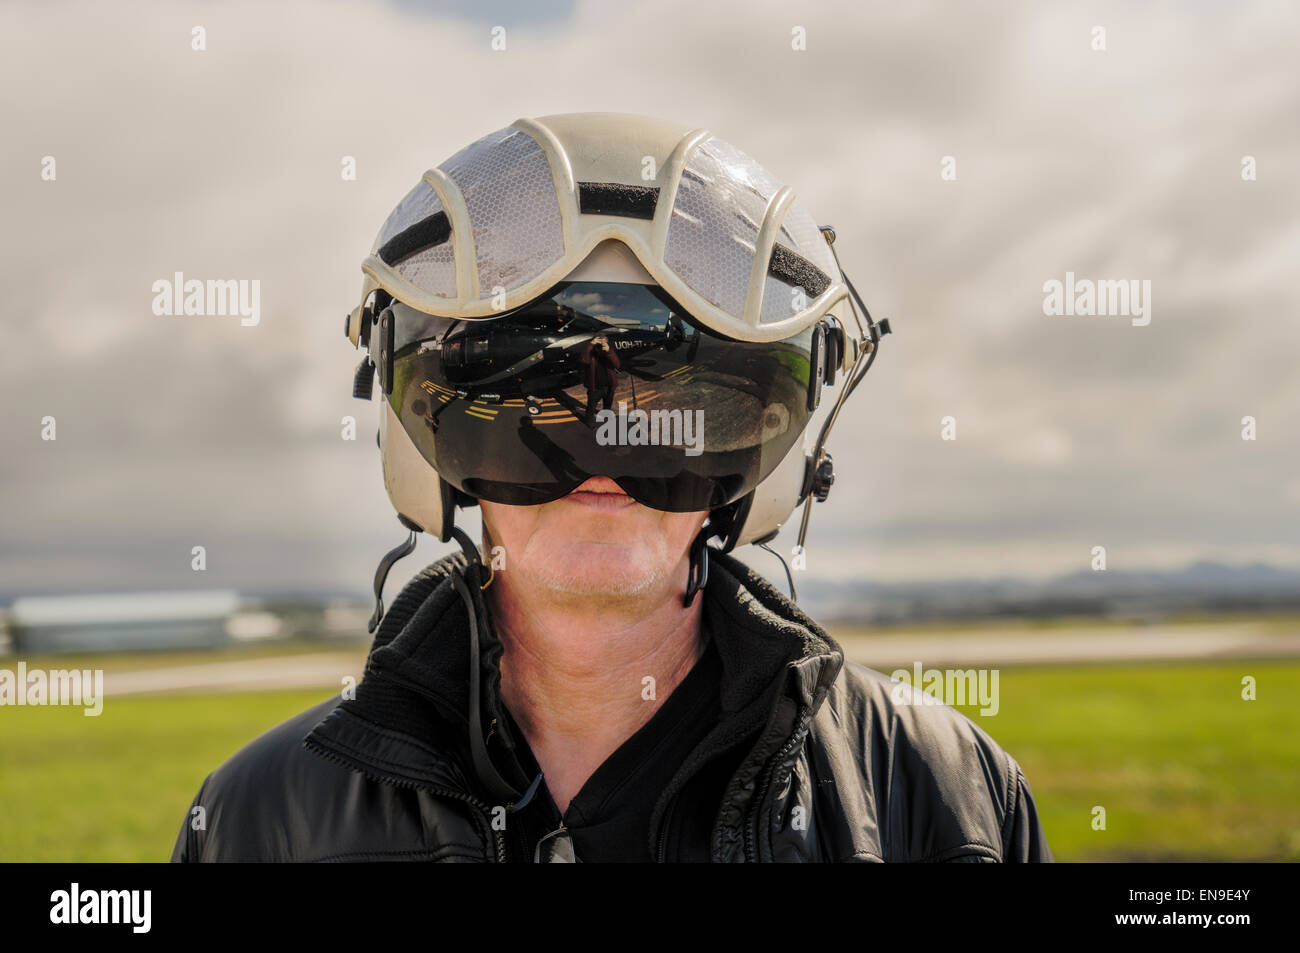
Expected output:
(755, 807)
(498, 837)
(663, 831)
(383, 778)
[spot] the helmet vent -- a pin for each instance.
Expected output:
(427, 233)
(613, 198)
(797, 271)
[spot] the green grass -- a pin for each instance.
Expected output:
(166, 658)
(1185, 769)
(116, 787)
(1262, 623)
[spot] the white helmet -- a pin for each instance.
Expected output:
(712, 281)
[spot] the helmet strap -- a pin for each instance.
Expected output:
(697, 575)
(381, 573)
(726, 522)
(470, 589)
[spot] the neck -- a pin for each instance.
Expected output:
(581, 676)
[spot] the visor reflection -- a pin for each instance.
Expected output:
(598, 379)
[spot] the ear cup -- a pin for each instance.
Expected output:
(414, 487)
(382, 350)
(834, 353)
(816, 365)
(772, 500)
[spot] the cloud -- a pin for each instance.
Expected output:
(225, 164)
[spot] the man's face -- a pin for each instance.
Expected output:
(595, 541)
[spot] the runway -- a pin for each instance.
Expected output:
(885, 651)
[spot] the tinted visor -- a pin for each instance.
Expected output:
(597, 379)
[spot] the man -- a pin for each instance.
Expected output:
(600, 680)
(600, 374)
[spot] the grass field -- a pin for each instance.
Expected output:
(1185, 768)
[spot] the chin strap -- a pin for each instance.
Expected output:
(697, 576)
(381, 573)
(470, 592)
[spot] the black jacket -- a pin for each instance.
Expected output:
(820, 763)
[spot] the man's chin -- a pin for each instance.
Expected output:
(596, 569)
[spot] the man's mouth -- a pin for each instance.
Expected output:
(600, 493)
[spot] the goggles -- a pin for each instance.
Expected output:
(599, 379)
(503, 220)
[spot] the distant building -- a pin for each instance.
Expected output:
(121, 621)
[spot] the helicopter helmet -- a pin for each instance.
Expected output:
(604, 294)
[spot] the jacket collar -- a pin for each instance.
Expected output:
(407, 723)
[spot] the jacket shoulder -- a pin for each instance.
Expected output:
(935, 785)
(266, 801)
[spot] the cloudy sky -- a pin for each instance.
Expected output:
(1071, 431)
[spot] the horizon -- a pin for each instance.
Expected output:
(1170, 578)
